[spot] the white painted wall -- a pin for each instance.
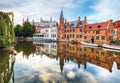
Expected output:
(50, 31)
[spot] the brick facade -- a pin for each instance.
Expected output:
(99, 33)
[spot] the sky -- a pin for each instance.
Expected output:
(95, 10)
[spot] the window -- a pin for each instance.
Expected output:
(80, 36)
(97, 52)
(77, 36)
(85, 32)
(54, 25)
(72, 24)
(97, 37)
(99, 26)
(90, 27)
(65, 36)
(110, 37)
(85, 49)
(70, 35)
(64, 30)
(67, 30)
(85, 37)
(92, 50)
(80, 30)
(73, 35)
(97, 32)
(102, 53)
(73, 30)
(97, 57)
(103, 38)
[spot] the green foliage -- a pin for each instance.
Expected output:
(18, 30)
(26, 30)
(7, 35)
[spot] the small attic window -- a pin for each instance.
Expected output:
(90, 27)
(72, 24)
(99, 26)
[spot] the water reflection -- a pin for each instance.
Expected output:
(7, 60)
(26, 47)
(79, 54)
(37, 62)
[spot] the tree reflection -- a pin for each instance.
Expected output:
(26, 47)
(7, 60)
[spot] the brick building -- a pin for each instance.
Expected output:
(117, 30)
(99, 33)
(70, 31)
(84, 55)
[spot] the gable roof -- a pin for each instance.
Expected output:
(117, 24)
(74, 24)
(96, 26)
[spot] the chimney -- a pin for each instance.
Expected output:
(111, 21)
(68, 24)
(85, 20)
(41, 19)
(78, 22)
(79, 19)
(33, 22)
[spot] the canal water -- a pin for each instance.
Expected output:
(35, 62)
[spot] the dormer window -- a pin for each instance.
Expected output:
(72, 25)
(90, 27)
(99, 26)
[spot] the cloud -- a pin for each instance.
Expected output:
(34, 9)
(71, 74)
(105, 10)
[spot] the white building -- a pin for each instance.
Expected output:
(48, 31)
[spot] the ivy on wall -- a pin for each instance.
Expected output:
(7, 35)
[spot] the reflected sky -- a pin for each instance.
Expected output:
(62, 63)
(44, 69)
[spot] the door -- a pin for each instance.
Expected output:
(92, 39)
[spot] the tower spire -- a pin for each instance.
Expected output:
(61, 14)
(51, 19)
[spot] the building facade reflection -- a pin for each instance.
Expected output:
(79, 54)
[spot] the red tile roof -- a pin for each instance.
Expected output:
(117, 24)
(96, 26)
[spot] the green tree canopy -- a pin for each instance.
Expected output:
(18, 30)
(7, 35)
(28, 29)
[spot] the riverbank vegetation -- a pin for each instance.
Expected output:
(7, 36)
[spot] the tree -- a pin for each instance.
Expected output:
(7, 35)
(18, 30)
(28, 29)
